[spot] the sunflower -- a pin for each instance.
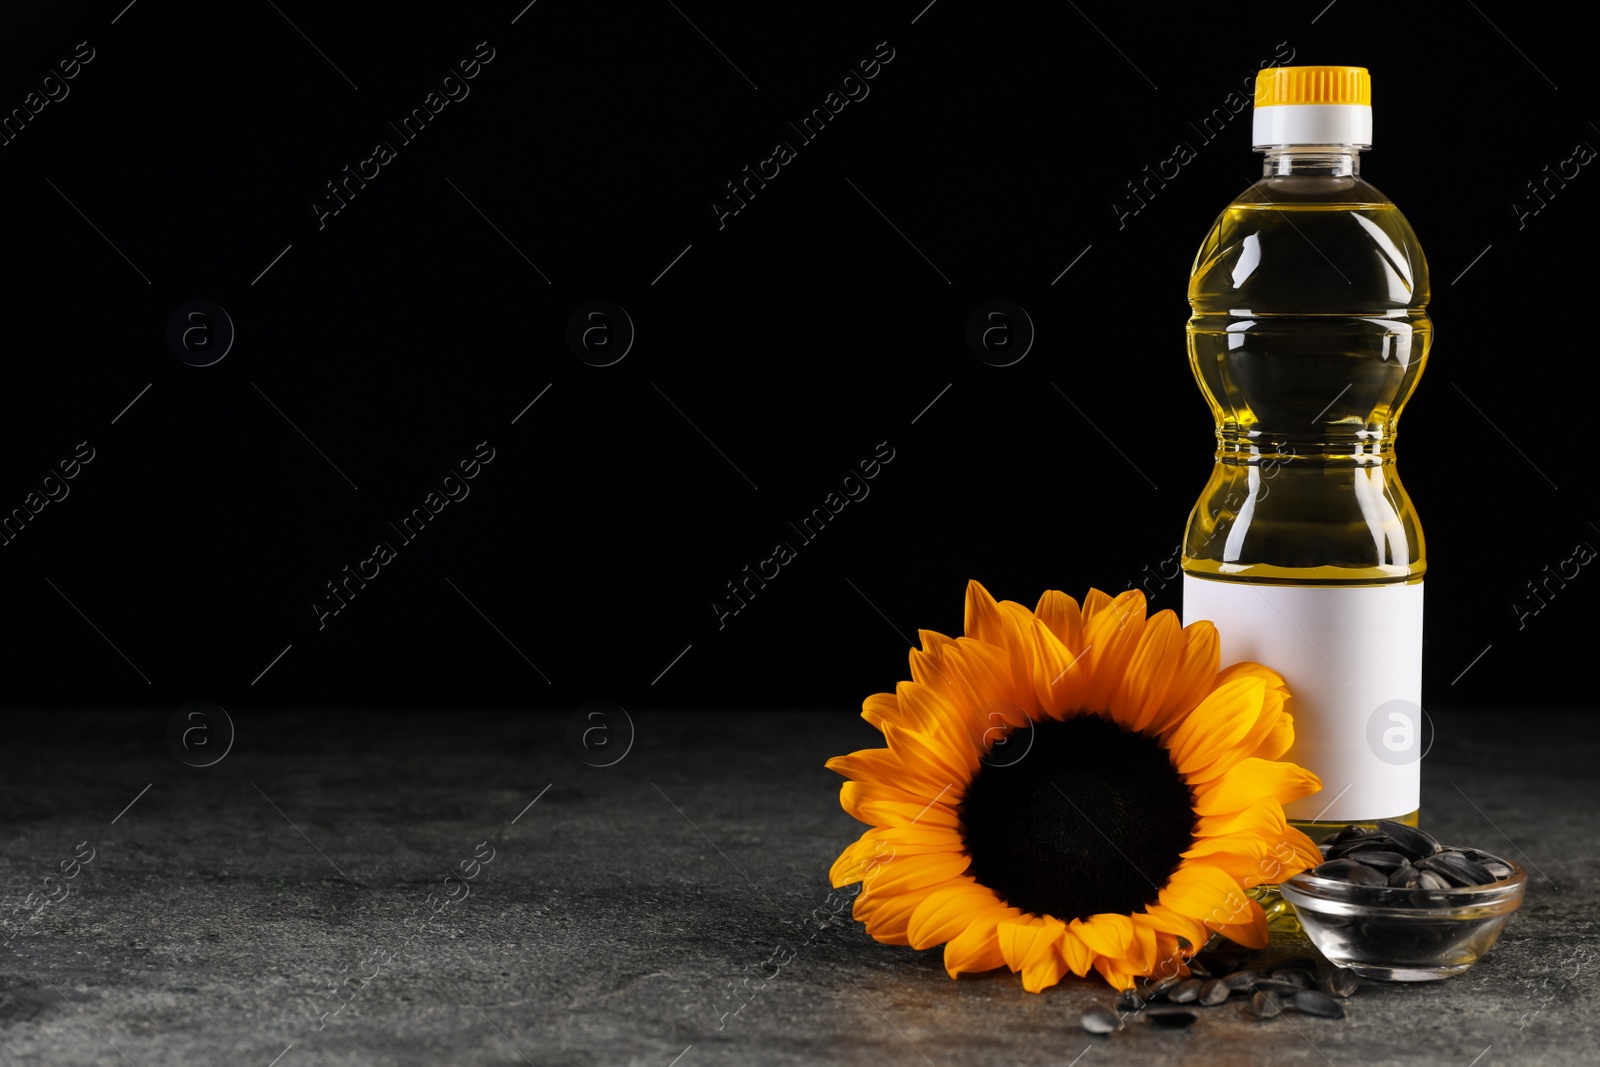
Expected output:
(1072, 788)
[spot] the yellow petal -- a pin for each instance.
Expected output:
(1250, 780)
(1116, 973)
(946, 912)
(1058, 677)
(1110, 636)
(1171, 921)
(1137, 697)
(886, 915)
(1203, 893)
(1194, 677)
(982, 686)
(1252, 932)
(1222, 718)
(1106, 934)
(882, 766)
(1039, 976)
(1029, 940)
(982, 616)
(907, 874)
(878, 810)
(1264, 816)
(880, 708)
(1059, 612)
(1074, 953)
(935, 757)
(977, 948)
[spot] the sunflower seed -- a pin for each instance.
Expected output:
(1351, 830)
(1361, 874)
(1277, 985)
(1430, 880)
(1240, 980)
(1098, 1020)
(1496, 868)
(1199, 970)
(1171, 1017)
(1380, 858)
(1457, 869)
(1294, 976)
(1404, 876)
(1160, 987)
(1214, 992)
(1266, 1005)
(1408, 839)
(1335, 868)
(1315, 1002)
(1129, 1000)
(1185, 991)
(1342, 982)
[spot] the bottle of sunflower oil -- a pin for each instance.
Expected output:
(1308, 334)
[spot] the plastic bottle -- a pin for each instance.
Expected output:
(1308, 334)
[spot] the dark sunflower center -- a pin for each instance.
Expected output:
(1092, 819)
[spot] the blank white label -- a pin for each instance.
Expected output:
(1352, 658)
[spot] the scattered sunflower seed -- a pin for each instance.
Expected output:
(1316, 1002)
(1171, 1017)
(1294, 976)
(1240, 980)
(1214, 992)
(1342, 982)
(1185, 991)
(1265, 1005)
(1098, 1020)
(1162, 986)
(1130, 1000)
(1276, 985)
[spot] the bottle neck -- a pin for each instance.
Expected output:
(1305, 161)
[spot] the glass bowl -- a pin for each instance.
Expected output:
(1405, 935)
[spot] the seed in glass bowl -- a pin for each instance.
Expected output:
(1457, 869)
(1381, 858)
(1404, 876)
(1416, 843)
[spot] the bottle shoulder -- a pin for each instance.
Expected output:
(1311, 245)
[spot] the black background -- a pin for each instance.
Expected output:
(796, 337)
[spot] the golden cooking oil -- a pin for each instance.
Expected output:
(1308, 334)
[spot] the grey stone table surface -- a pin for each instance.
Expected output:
(280, 906)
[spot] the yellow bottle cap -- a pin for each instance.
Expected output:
(1313, 106)
(1277, 86)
